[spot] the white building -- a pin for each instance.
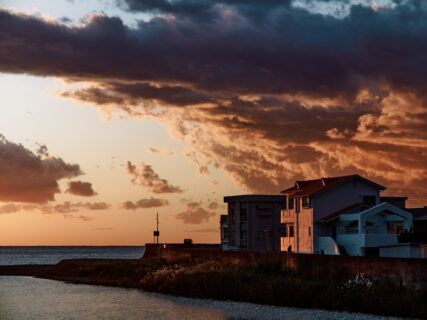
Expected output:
(340, 215)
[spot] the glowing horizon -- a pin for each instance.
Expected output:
(112, 112)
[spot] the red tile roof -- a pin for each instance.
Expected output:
(309, 187)
(340, 212)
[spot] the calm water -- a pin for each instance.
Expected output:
(52, 255)
(23, 298)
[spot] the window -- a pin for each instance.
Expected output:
(309, 231)
(284, 231)
(233, 215)
(290, 203)
(243, 215)
(305, 202)
(291, 231)
(370, 200)
(395, 227)
(243, 238)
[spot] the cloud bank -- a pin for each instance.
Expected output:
(29, 177)
(267, 91)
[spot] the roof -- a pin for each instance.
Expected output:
(384, 207)
(310, 187)
(340, 212)
(255, 198)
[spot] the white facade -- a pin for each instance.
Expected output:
(371, 228)
(341, 215)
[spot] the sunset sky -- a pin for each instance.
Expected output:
(112, 110)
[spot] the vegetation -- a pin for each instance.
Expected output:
(259, 281)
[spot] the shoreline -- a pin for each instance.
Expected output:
(261, 282)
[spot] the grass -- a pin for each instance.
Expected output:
(261, 281)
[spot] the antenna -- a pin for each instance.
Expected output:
(157, 232)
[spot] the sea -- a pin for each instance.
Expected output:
(52, 255)
(28, 298)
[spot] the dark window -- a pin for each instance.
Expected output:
(309, 231)
(370, 200)
(305, 202)
(233, 215)
(243, 215)
(291, 231)
(285, 231)
(290, 203)
(225, 234)
(395, 227)
(243, 239)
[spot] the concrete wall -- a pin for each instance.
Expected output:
(402, 271)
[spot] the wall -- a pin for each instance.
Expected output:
(402, 271)
(263, 212)
(407, 251)
(302, 241)
(341, 196)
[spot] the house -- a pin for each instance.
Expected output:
(252, 223)
(340, 215)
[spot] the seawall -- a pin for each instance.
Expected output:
(402, 271)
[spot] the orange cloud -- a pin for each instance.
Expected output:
(147, 178)
(28, 177)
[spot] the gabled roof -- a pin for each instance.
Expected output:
(340, 212)
(310, 187)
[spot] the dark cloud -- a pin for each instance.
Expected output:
(265, 91)
(150, 180)
(80, 188)
(144, 203)
(195, 214)
(115, 93)
(289, 50)
(27, 177)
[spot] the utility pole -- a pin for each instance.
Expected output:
(157, 232)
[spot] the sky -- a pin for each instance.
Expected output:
(113, 110)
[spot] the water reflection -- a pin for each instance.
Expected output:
(23, 298)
